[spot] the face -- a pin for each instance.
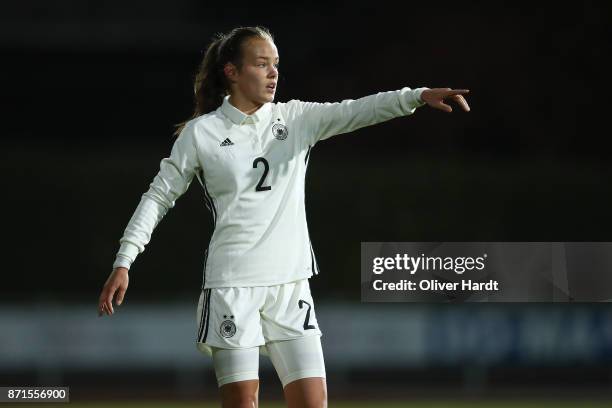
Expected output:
(257, 79)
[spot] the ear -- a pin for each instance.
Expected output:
(230, 71)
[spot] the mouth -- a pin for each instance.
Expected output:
(271, 87)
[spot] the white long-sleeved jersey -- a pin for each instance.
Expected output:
(252, 169)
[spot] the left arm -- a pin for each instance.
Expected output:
(323, 120)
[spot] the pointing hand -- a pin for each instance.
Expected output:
(435, 98)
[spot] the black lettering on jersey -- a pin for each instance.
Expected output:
(260, 186)
(307, 326)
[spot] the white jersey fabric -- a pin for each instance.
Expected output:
(252, 169)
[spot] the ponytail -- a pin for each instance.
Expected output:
(210, 83)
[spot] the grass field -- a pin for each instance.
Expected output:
(333, 404)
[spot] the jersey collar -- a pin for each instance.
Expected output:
(239, 117)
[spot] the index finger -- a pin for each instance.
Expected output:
(458, 91)
(106, 299)
(108, 302)
(102, 300)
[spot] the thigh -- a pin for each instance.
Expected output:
(235, 365)
(297, 358)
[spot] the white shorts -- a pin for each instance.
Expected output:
(246, 317)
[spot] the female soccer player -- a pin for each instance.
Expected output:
(250, 156)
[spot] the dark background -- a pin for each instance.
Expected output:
(91, 92)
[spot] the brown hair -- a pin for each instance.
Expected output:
(210, 83)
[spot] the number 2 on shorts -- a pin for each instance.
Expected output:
(306, 324)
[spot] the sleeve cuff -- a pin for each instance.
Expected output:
(126, 255)
(410, 99)
(122, 262)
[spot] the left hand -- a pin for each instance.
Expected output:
(435, 98)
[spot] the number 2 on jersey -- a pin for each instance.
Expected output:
(260, 186)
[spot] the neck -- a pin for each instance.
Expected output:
(244, 105)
